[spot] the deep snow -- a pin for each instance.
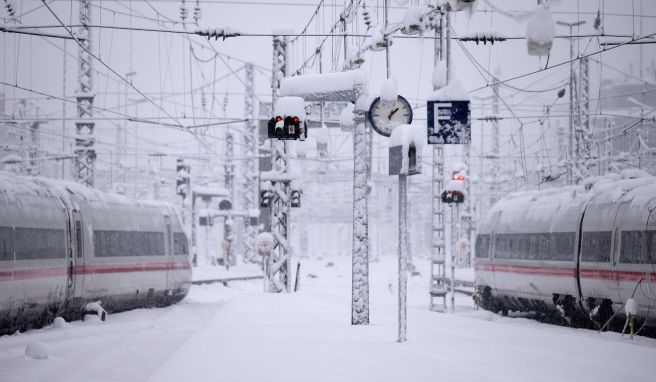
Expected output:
(236, 333)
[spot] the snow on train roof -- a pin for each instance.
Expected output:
(12, 185)
(555, 208)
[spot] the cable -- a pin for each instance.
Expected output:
(107, 66)
(562, 63)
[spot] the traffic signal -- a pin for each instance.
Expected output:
(288, 128)
(265, 198)
(453, 197)
(295, 199)
(182, 180)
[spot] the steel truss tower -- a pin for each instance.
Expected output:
(250, 189)
(438, 253)
(583, 137)
(279, 267)
(496, 169)
(85, 152)
(229, 176)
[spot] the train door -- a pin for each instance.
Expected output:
(613, 278)
(78, 253)
(70, 256)
(169, 250)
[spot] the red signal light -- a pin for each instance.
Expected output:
(278, 118)
(295, 120)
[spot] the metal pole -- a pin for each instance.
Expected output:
(387, 47)
(438, 253)
(360, 260)
(63, 163)
(194, 222)
(573, 103)
(455, 218)
(279, 271)
(403, 256)
(250, 188)
(85, 153)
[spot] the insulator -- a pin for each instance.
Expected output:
(9, 5)
(203, 100)
(366, 16)
(183, 11)
(197, 13)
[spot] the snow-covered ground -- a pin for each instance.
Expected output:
(237, 333)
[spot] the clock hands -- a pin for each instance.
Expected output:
(392, 113)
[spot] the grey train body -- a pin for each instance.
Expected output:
(63, 245)
(578, 252)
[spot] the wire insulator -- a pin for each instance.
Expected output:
(183, 11)
(9, 5)
(366, 16)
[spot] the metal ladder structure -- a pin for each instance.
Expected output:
(437, 288)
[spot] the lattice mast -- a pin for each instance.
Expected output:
(250, 189)
(279, 269)
(229, 176)
(583, 137)
(85, 152)
(438, 253)
(496, 168)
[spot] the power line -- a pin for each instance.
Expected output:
(562, 63)
(108, 67)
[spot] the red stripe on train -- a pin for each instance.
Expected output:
(600, 274)
(23, 274)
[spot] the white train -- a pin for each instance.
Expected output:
(63, 245)
(578, 250)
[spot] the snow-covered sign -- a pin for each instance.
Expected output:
(448, 118)
(406, 144)
(540, 32)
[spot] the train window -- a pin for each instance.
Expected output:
(78, 237)
(651, 247)
(39, 243)
(561, 246)
(123, 243)
(6, 243)
(482, 246)
(180, 246)
(502, 247)
(595, 246)
(631, 248)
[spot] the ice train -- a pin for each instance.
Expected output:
(63, 245)
(579, 252)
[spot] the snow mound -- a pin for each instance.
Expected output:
(439, 75)
(290, 106)
(96, 308)
(59, 323)
(347, 116)
(390, 90)
(451, 92)
(631, 307)
(540, 32)
(36, 350)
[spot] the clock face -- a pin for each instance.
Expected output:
(385, 116)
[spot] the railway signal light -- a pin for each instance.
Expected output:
(295, 200)
(265, 198)
(289, 128)
(453, 197)
(182, 181)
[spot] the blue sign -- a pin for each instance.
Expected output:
(449, 122)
